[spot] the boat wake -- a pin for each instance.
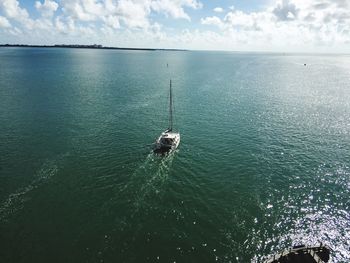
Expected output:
(157, 173)
(16, 201)
(147, 181)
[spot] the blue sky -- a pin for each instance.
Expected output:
(250, 25)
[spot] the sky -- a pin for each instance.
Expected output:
(234, 25)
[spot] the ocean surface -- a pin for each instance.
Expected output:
(263, 164)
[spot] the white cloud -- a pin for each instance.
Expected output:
(4, 22)
(83, 10)
(282, 25)
(65, 25)
(128, 13)
(285, 10)
(212, 20)
(288, 23)
(218, 9)
(12, 9)
(134, 14)
(15, 31)
(112, 21)
(48, 8)
(174, 8)
(242, 20)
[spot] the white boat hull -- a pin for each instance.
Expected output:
(167, 141)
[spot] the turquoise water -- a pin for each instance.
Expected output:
(263, 164)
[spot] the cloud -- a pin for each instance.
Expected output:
(12, 9)
(127, 13)
(112, 21)
(48, 8)
(239, 19)
(4, 22)
(83, 10)
(218, 9)
(282, 25)
(130, 13)
(212, 20)
(175, 8)
(285, 10)
(134, 14)
(64, 25)
(342, 3)
(289, 23)
(321, 5)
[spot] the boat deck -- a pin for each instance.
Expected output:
(302, 254)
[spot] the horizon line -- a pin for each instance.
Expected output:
(99, 46)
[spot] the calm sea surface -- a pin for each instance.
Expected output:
(263, 164)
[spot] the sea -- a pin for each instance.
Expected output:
(263, 163)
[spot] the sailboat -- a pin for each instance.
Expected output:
(169, 140)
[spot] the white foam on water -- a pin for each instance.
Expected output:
(156, 170)
(16, 201)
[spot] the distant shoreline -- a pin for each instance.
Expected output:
(90, 47)
(95, 46)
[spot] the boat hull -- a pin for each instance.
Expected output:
(167, 142)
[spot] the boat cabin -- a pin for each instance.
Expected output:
(167, 141)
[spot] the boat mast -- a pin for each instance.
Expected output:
(171, 110)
